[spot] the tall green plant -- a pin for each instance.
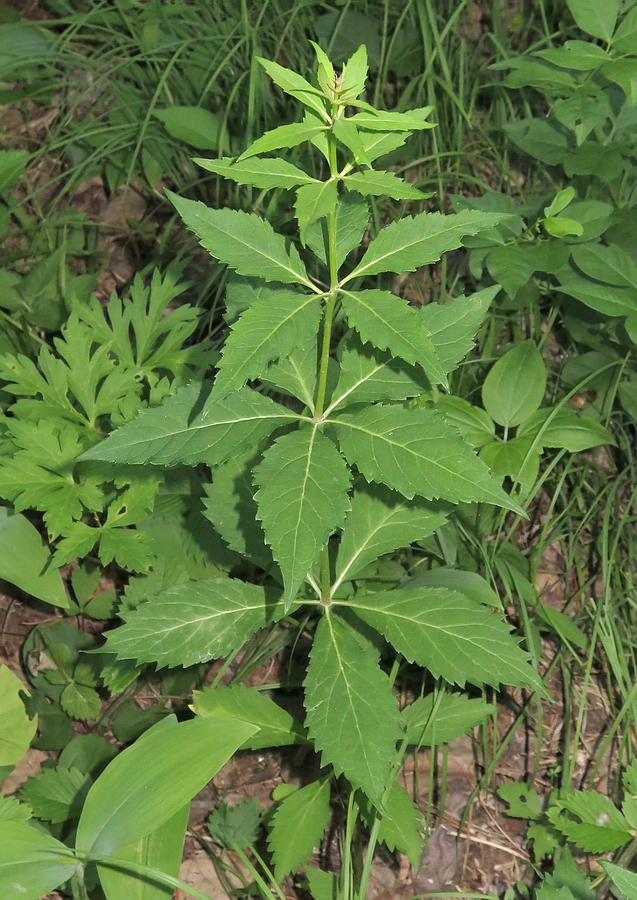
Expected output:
(314, 486)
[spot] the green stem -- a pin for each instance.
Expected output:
(267, 893)
(346, 870)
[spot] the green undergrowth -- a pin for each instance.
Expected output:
(350, 481)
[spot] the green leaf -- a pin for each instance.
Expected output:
(352, 219)
(295, 85)
(433, 720)
(515, 385)
(16, 728)
(611, 301)
(32, 863)
(296, 373)
(390, 324)
(230, 506)
(343, 675)
(523, 801)
(261, 173)
(601, 826)
(474, 424)
(400, 823)
(283, 136)
(192, 622)
(25, 560)
(323, 885)
(452, 636)
(269, 328)
(379, 120)
(13, 811)
(625, 35)
(347, 133)
(609, 264)
(192, 426)
(379, 522)
(564, 428)
(56, 795)
(302, 499)
(562, 625)
(409, 243)
(196, 126)
(452, 326)
(382, 184)
(243, 241)
(236, 827)
(584, 56)
(367, 374)
(138, 791)
(88, 753)
(161, 850)
(625, 881)
(511, 266)
(276, 727)
(414, 451)
(354, 75)
(297, 827)
(470, 584)
(596, 19)
(81, 702)
(313, 202)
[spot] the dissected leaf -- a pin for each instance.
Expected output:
(351, 712)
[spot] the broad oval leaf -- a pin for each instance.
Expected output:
(24, 559)
(193, 426)
(415, 451)
(595, 18)
(408, 243)
(515, 385)
(302, 498)
(138, 790)
(16, 728)
(193, 622)
(352, 714)
(243, 241)
(196, 126)
(32, 863)
(452, 636)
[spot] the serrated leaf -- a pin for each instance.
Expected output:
(601, 827)
(523, 801)
(414, 451)
(382, 184)
(267, 329)
(12, 810)
(236, 826)
(313, 202)
(379, 522)
(56, 795)
(622, 879)
(230, 506)
(295, 85)
(261, 173)
(296, 373)
(323, 885)
(193, 622)
(379, 120)
(302, 499)
(276, 727)
(284, 136)
(243, 241)
(81, 702)
(474, 424)
(32, 863)
(297, 827)
(387, 322)
(453, 637)
(16, 728)
(409, 243)
(343, 677)
(435, 720)
(515, 385)
(368, 374)
(399, 823)
(138, 791)
(347, 133)
(192, 426)
(351, 221)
